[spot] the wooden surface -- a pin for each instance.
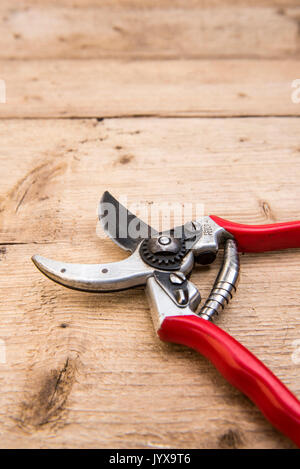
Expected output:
(175, 101)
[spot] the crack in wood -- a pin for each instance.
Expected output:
(47, 407)
(231, 439)
(268, 212)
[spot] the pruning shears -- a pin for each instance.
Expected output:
(163, 262)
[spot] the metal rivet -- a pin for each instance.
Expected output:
(182, 296)
(193, 226)
(176, 279)
(181, 275)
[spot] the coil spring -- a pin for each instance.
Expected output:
(225, 284)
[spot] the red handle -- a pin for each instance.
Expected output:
(240, 368)
(259, 238)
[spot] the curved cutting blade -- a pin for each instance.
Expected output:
(122, 226)
(96, 277)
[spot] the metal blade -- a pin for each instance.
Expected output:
(96, 277)
(123, 227)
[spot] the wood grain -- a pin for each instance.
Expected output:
(150, 30)
(86, 370)
(160, 100)
(112, 88)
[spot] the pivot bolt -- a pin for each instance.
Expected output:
(164, 240)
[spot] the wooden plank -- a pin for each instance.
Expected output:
(149, 4)
(86, 370)
(82, 88)
(136, 30)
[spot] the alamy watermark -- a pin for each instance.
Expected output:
(2, 92)
(296, 352)
(295, 96)
(153, 218)
(2, 352)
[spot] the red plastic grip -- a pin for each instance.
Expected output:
(240, 367)
(259, 238)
